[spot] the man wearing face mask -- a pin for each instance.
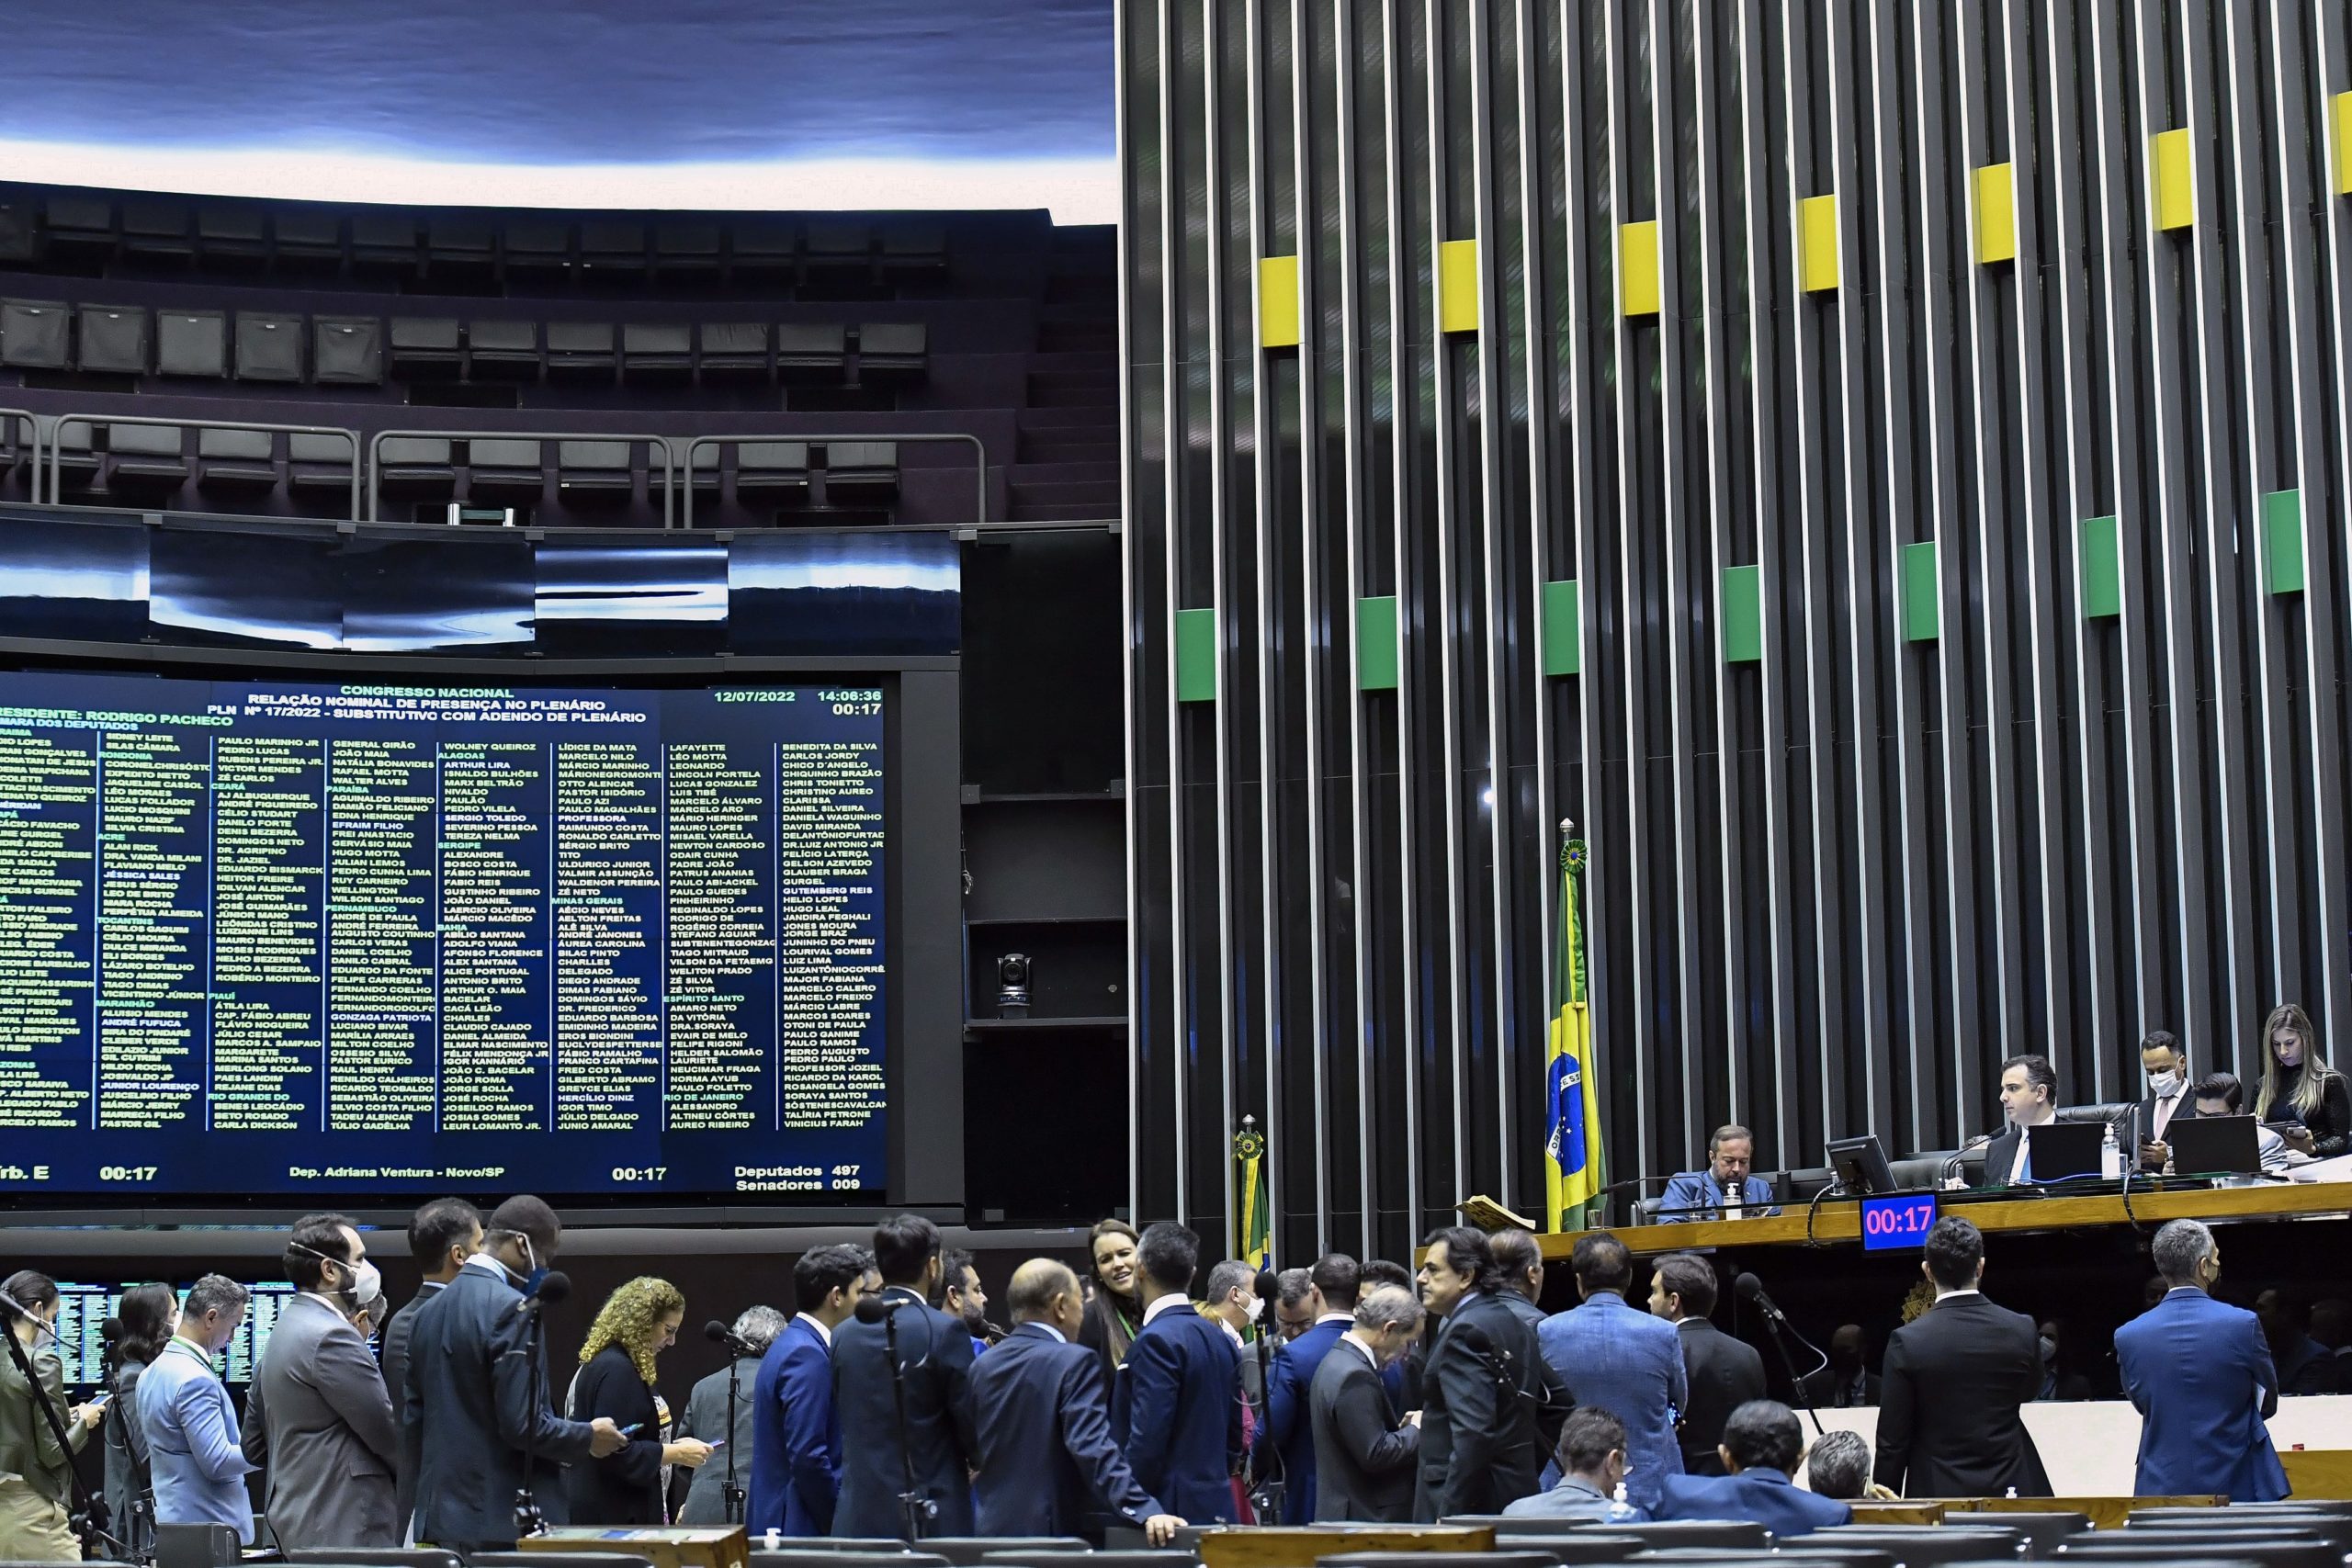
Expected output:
(2168, 1100)
(196, 1461)
(470, 1426)
(2201, 1374)
(318, 1420)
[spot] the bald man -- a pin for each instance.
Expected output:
(1047, 1465)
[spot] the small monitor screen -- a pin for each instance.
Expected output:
(1900, 1224)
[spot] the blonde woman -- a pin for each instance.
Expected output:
(2308, 1102)
(639, 1322)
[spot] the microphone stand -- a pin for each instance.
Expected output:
(1269, 1499)
(914, 1508)
(734, 1493)
(528, 1519)
(88, 1516)
(1778, 1324)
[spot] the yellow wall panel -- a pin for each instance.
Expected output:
(1457, 286)
(1278, 302)
(2175, 194)
(1817, 247)
(1997, 214)
(2344, 143)
(1637, 268)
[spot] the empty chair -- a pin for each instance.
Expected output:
(1586, 1543)
(1921, 1546)
(1496, 1558)
(384, 241)
(2271, 1548)
(234, 461)
(269, 346)
(71, 455)
(414, 468)
(426, 348)
(506, 472)
(685, 253)
(557, 1560)
(318, 465)
(230, 236)
(892, 351)
(192, 342)
(837, 252)
(115, 339)
(775, 472)
(348, 351)
(34, 333)
(536, 250)
(702, 470)
(843, 1554)
(580, 350)
(811, 352)
(967, 1550)
(612, 250)
(2328, 1520)
(734, 351)
(1717, 1534)
(157, 231)
(823, 1546)
(763, 251)
(503, 351)
(592, 470)
(656, 351)
(913, 252)
(460, 248)
(81, 228)
(860, 472)
(309, 239)
(2044, 1531)
(146, 456)
(376, 1556)
(1139, 1557)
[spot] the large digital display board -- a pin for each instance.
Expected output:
(271, 936)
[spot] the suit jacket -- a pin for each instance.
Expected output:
(705, 1418)
(193, 1448)
(320, 1422)
(1574, 1499)
(2186, 1111)
(1723, 1373)
(1290, 1426)
(395, 1356)
(1616, 1355)
(468, 1418)
(1492, 1411)
(624, 1487)
(935, 1352)
(1697, 1195)
(1043, 1421)
(1177, 1409)
(1765, 1496)
(1949, 1396)
(131, 1488)
(796, 1450)
(1365, 1458)
(2199, 1374)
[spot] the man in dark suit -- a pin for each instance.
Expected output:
(1047, 1465)
(1365, 1457)
(1177, 1408)
(1722, 1373)
(469, 1424)
(441, 1236)
(1289, 1426)
(2029, 1099)
(934, 1356)
(2201, 1375)
(795, 1454)
(2170, 1096)
(1761, 1449)
(1954, 1382)
(1491, 1410)
(1846, 1381)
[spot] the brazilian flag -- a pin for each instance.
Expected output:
(1572, 1165)
(1250, 1154)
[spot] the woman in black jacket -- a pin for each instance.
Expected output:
(149, 1316)
(639, 1322)
(2309, 1101)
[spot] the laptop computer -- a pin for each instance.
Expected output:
(2214, 1146)
(2066, 1151)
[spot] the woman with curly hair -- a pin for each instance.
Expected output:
(639, 1322)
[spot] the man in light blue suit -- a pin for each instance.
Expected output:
(1724, 1191)
(1761, 1449)
(2200, 1376)
(1620, 1358)
(796, 1455)
(193, 1442)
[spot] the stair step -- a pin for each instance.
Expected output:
(1071, 420)
(1063, 511)
(1032, 447)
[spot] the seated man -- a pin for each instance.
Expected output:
(1724, 1191)
(1839, 1467)
(1591, 1457)
(1762, 1446)
(2029, 1099)
(2221, 1094)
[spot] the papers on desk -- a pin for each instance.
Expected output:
(2336, 1169)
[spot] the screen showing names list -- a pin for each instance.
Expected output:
(268, 936)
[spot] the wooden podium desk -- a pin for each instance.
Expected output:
(1838, 1220)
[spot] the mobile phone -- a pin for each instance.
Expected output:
(632, 1429)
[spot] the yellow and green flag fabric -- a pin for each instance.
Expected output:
(1572, 1163)
(1250, 1154)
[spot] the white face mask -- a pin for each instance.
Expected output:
(2164, 1086)
(1253, 1307)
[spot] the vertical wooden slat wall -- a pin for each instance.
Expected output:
(1849, 458)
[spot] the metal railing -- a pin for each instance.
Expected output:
(57, 445)
(32, 423)
(980, 458)
(652, 442)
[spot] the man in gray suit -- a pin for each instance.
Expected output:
(707, 1410)
(318, 1419)
(441, 1236)
(1364, 1457)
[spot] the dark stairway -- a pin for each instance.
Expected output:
(1067, 462)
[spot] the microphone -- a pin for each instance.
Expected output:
(718, 1333)
(553, 1289)
(1750, 1289)
(1269, 1286)
(111, 1330)
(874, 1309)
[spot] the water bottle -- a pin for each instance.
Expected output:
(2110, 1156)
